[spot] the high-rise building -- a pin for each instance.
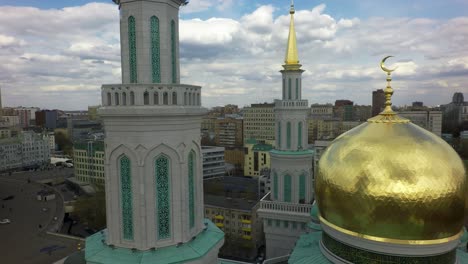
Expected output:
(455, 114)
(378, 101)
(228, 132)
(47, 119)
(429, 120)
(256, 157)
(88, 161)
(259, 122)
(153, 157)
(285, 210)
(213, 162)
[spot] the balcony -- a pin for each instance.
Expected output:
(247, 229)
(291, 104)
(246, 221)
(220, 225)
(121, 95)
(247, 237)
(219, 217)
(267, 205)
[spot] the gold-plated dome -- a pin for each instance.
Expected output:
(390, 180)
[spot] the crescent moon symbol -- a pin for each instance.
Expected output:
(385, 69)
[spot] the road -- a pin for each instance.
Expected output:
(24, 240)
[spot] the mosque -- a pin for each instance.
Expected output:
(386, 191)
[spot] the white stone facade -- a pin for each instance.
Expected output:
(153, 158)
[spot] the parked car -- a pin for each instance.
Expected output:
(5, 221)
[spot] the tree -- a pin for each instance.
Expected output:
(92, 209)
(64, 143)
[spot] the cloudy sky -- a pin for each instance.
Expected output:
(57, 53)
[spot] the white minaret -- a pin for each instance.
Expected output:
(286, 210)
(153, 159)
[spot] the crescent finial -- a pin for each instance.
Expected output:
(385, 69)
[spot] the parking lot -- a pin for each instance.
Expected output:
(25, 240)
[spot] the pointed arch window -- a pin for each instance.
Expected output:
(297, 88)
(162, 176)
(146, 98)
(132, 49)
(287, 188)
(173, 51)
(288, 135)
(155, 50)
(191, 186)
(156, 98)
(302, 186)
(132, 98)
(174, 98)
(124, 98)
(279, 134)
(116, 97)
(109, 99)
(299, 135)
(126, 197)
(165, 98)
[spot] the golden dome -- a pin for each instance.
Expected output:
(390, 180)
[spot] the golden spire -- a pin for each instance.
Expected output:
(388, 115)
(291, 57)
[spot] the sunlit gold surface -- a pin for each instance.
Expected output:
(390, 240)
(392, 180)
(292, 57)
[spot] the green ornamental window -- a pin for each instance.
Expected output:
(275, 185)
(155, 50)
(279, 134)
(287, 188)
(302, 186)
(299, 135)
(163, 197)
(126, 198)
(173, 51)
(132, 49)
(191, 180)
(288, 135)
(289, 89)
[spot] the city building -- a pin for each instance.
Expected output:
(371, 206)
(213, 162)
(232, 204)
(429, 120)
(256, 157)
(362, 112)
(81, 129)
(25, 117)
(321, 111)
(259, 122)
(236, 157)
(455, 114)
(93, 112)
(153, 156)
(378, 101)
(319, 148)
(343, 110)
(27, 150)
(285, 210)
(47, 119)
(88, 161)
(11, 121)
(228, 132)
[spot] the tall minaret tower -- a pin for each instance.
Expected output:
(285, 213)
(153, 158)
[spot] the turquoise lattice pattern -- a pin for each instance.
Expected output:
(163, 199)
(173, 52)
(155, 50)
(126, 193)
(287, 188)
(132, 49)
(288, 135)
(279, 134)
(275, 185)
(302, 187)
(191, 170)
(299, 135)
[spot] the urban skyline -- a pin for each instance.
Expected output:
(61, 63)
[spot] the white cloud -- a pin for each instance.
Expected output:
(62, 62)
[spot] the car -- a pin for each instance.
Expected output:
(45, 209)
(5, 221)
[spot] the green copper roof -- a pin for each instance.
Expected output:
(251, 141)
(96, 252)
(307, 250)
(299, 152)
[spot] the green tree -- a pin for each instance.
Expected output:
(92, 209)
(64, 143)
